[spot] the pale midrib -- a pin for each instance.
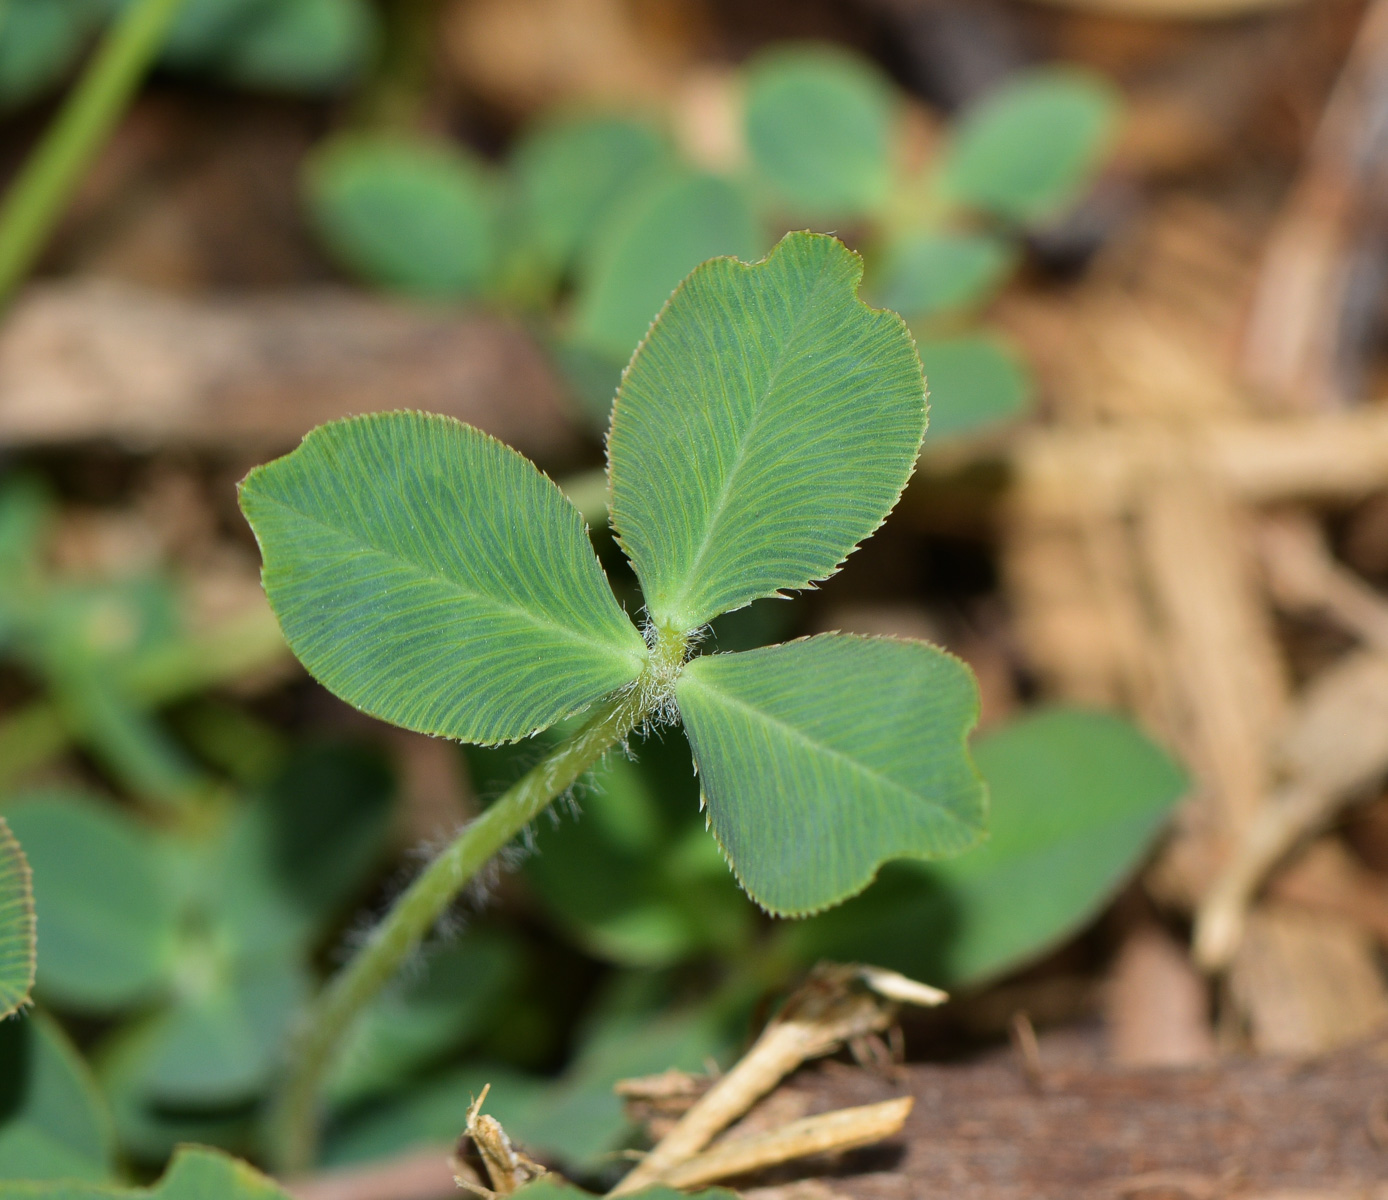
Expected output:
(725, 490)
(452, 584)
(829, 751)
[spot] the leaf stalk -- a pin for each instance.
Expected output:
(39, 195)
(294, 1111)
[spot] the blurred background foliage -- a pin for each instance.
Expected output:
(203, 851)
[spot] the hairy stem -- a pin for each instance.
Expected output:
(293, 1124)
(39, 194)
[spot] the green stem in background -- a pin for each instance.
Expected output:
(293, 1116)
(41, 731)
(38, 197)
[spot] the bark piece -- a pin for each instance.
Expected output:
(1241, 1129)
(102, 360)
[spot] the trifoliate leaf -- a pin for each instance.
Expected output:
(434, 578)
(821, 759)
(765, 427)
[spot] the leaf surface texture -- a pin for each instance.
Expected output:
(434, 578)
(821, 759)
(766, 426)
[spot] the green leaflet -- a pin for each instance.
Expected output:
(282, 45)
(1076, 800)
(823, 758)
(434, 578)
(570, 173)
(108, 919)
(406, 213)
(766, 425)
(196, 1173)
(926, 273)
(977, 381)
(39, 39)
(52, 1124)
(1028, 148)
(17, 944)
(819, 128)
(651, 242)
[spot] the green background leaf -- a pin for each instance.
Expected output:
(421, 1019)
(1076, 800)
(17, 943)
(281, 45)
(52, 1125)
(432, 577)
(927, 273)
(105, 908)
(819, 127)
(196, 1173)
(39, 39)
(660, 234)
(765, 427)
(976, 381)
(1027, 149)
(571, 172)
(823, 758)
(410, 214)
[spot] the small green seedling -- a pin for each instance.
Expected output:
(436, 579)
(596, 217)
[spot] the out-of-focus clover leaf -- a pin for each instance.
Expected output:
(926, 273)
(653, 240)
(1027, 149)
(570, 173)
(819, 128)
(219, 1040)
(300, 850)
(39, 41)
(406, 213)
(196, 1173)
(149, 1132)
(577, 1119)
(1077, 799)
(449, 1002)
(52, 1123)
(976, 381)
(104, 901)
(277, 45)
(623, 882)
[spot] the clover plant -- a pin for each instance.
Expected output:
(595, 217)
(436, 579)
